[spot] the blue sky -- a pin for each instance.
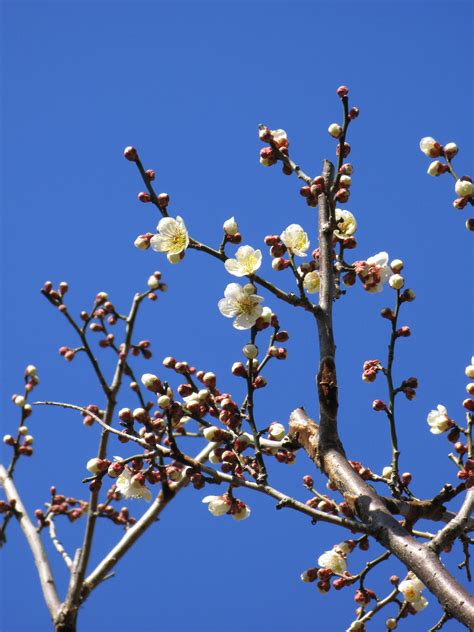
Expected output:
(187, 84)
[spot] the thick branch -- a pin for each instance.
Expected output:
(456, 526)
(42, 563)
(383, 527)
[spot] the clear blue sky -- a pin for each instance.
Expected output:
(187, 83)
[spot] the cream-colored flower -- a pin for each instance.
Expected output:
(334, 561)
(130, 487)
(377, 273)
(295, 239)
(430, 147)
(438, 420)
(311, 282)
(346, 224)
(244, 307)
(217, 505)
(172, 236)
(411, 589)
(464, 188)
(230, 226)
(247, 261)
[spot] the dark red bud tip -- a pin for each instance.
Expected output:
(342, 91)
(150, 173)
(144, 197)
(130, 153)
(308, 481)
(468, 404)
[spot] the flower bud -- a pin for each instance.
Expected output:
(250, 351)
(276, 431)
(436, 168)
(23, 430)
(335, 130)
(239, 370)
(396, 281)
(209, 379)
(130, 153)
(230, 226)
(464, 187)
(8, 440)
(151, 382)
(96, 465)
(342, 91)
(142, 242)
(30, 370)
(430, 147)
(397, 265)
(468, 404)
(460, 203)
(345, 181)
(450, 150)
(144, 197)
(470, 224)
(470, 388)
(378, 405)
(470, 370)
(164, 401)
(406, 478)
(19, 400)
(404, 332)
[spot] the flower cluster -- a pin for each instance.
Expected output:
(226, 504)
(411, 589)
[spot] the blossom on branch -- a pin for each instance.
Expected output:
(411, 589)
(172, 237)
(311, 282)
(295, 239)
(438, 420)
(132, 486)
(374, 272)
(247, 261)
(334, 560)
(241, 303)
(346, 224)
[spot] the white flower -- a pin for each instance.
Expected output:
(295, 239)
(174, 259)
(334, 561)
(346, 224)
(247, 261)
(379, 274)
(276, 431)
(218, 505)
(470, 369)
(438, 420)
(464, 188)
(411, 589)
(343, 547)
(172, 236)
(396, 281)
(130, 487)
(238, 303)
(279, 137)
(311, 282)
(430, 147)
(230, 226)
(242, 513)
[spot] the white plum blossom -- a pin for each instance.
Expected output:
(230, 226)
(334, 561)
(242, 305)
(346, 224)
(131, 487)
(411, 589)
(376, 272)
(311, 282)
(217, 505)
(295, 239)
(438, 420)
(172, 236)
(464, 188)
(247, 261)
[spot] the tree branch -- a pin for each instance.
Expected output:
(48, 585)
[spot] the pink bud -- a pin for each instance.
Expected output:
(342, 91)
(130, 153)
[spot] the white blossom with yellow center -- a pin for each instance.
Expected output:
(172, 236)
(247, 261)
(241, 305)
(411, 589)
(346, 224)
(296, 240)
(311, 282)
(131, 488)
